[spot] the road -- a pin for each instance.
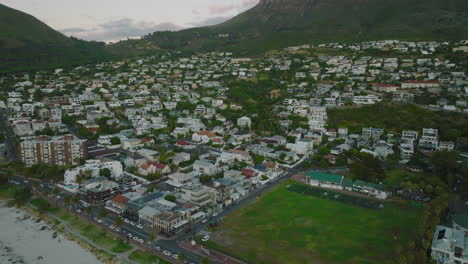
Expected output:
(170, 244)
(12, 152)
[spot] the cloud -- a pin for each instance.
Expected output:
(119, 29)
(210, 21)
(218, 9)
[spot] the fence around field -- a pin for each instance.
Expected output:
(336, 196)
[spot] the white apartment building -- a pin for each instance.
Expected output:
(429, 139)
(94, 167)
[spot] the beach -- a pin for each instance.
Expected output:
(27, 239)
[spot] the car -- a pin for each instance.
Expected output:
(158, 248)
(176, 256)
(99, 221)
(140, 226)
(204, 221)
(117, 229)
(167, 253)
(130, 235)
(126, 220)
(112, 227)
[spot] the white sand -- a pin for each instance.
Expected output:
(23, 241)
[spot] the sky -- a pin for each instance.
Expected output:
(113, 20)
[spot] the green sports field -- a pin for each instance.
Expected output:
(289, 227)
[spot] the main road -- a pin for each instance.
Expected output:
(12, 152)
(172, 243)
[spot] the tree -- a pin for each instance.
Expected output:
(152, 188)
(181, 257)
(102, 213)
(444, 165)
(282, 156)
(170, 198)
(119, 222)
(105, 172)
(324, 151)
(205, 179)
(205, 260)
(115, 141)
(152, 237)
(43, 205)
(258, 159)
(21, 195)
(67, 201)
(88, 211)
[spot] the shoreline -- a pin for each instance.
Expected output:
(29, 238)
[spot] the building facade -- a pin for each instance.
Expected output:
(60, 150)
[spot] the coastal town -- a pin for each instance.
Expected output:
(171, 144)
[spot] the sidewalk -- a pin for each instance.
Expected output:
(210, 253)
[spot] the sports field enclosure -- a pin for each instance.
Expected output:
(293, 225)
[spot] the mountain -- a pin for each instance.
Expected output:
(274, 24)
(28, 44)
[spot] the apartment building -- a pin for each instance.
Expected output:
(60, 150)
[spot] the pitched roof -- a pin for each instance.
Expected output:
(120, 199)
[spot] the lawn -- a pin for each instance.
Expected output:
(6, 192)
(144, 257)
(288, 227)
(95, 233)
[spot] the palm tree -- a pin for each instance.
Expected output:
(152, 237)
(119, 222)
(181, 257)
(102, 213)
(67, 201)
(88, 212)
(75, 200)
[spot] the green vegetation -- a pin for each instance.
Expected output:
(93, 232)
(252, 95)
(277, 24)
(170, 198)
(144, 257)
(7, 192)
(41, 204)
(318, 231)
(397, 117)
(27, 44)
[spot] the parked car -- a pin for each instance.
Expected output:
(167, 253)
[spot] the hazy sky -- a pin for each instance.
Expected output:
(110, 20)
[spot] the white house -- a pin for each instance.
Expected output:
(205, 167)
(244, 122)
(94, 166)
(302, 146)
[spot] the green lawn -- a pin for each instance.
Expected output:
(95, 233)
(287, 227)
(144, 257)
(6, 192)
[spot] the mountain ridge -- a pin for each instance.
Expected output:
(279, 23)
(26, 43)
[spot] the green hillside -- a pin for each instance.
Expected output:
(27, 44)
(275, 24)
